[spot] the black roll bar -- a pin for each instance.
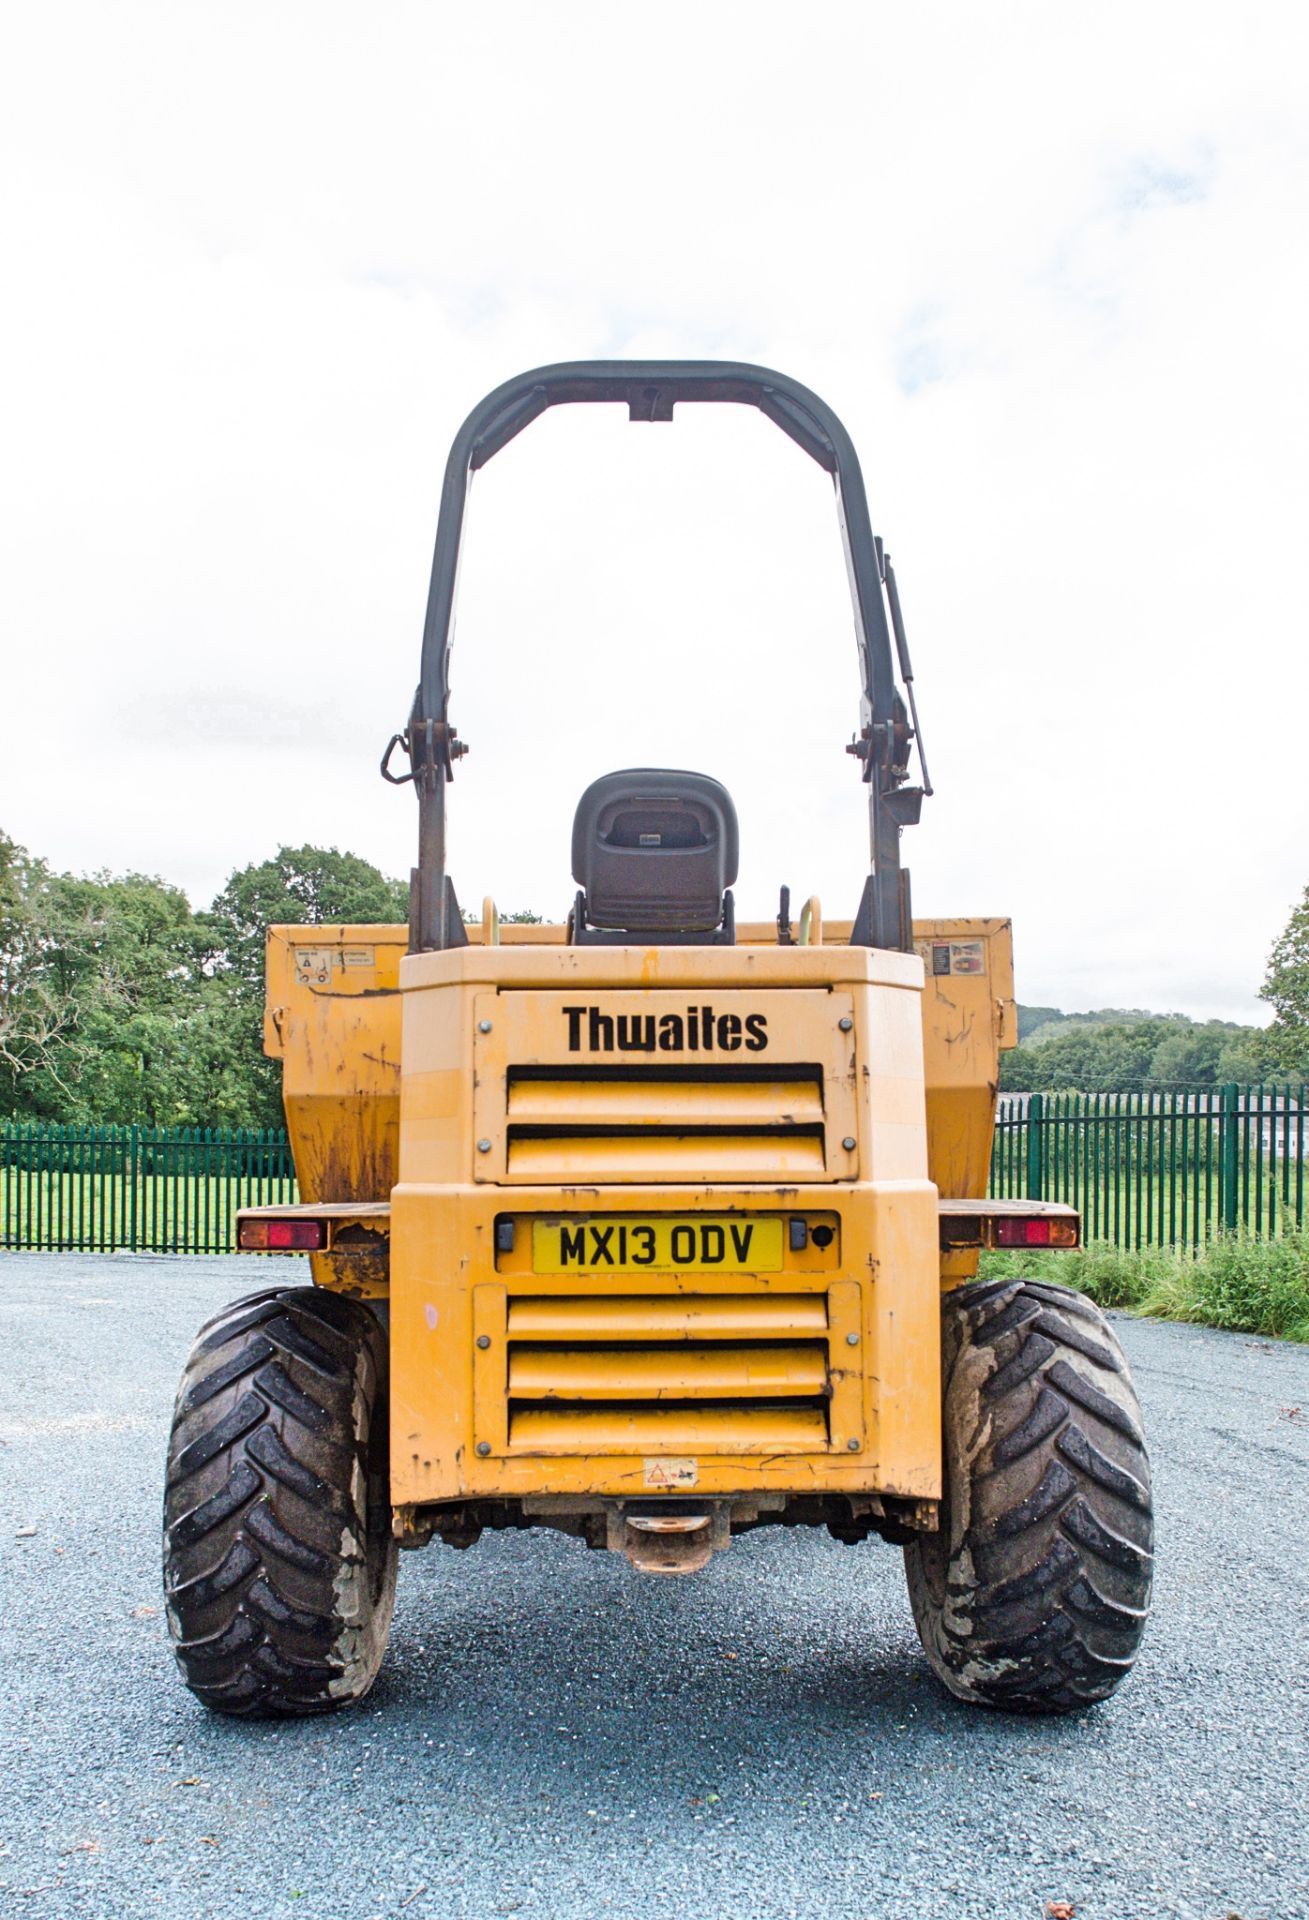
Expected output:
(651, 389)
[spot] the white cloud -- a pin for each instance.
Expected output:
(1050, 267)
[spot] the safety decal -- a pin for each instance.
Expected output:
(663, 1474)
(955, 956)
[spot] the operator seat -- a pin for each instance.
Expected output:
(655, 852)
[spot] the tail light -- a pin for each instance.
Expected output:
(282, 1236)
(1035, 1233)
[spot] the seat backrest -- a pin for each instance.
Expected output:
(655, 850)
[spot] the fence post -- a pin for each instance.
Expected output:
(1035, 1147)
(1229, 1159)
(133, 1175)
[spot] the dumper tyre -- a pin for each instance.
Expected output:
(279, 1564)
(1034, 1593)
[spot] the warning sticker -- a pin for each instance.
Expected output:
(955, 956)
(663, 1474)
(313, 963)
(968, 956)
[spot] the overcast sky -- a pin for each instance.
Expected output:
(1048, 262)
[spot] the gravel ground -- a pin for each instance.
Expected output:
(556, 1735)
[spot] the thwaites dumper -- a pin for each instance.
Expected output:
(654, 1228)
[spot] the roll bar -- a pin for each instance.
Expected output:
(651, 389)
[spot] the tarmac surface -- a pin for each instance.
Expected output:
(556, 1735)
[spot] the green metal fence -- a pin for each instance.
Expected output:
(1164, 1169)
(1144, 1169)
(150, 1190)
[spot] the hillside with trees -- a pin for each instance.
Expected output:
(1120, 1049)
(1127, 1050)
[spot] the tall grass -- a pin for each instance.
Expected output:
(1235, 1281)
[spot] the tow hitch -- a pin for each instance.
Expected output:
(658, 1539)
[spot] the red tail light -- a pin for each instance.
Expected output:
(282, 1236)
(1035, 1233)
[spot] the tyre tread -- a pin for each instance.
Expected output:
(278, 1562)
(1037, 1599)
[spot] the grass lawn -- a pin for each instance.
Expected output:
(89, 1212)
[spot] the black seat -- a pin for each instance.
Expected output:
(655, 851)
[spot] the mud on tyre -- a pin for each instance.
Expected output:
(1034, 1594)
(279, 1567)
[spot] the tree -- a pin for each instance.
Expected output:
(1205, 1054)
(1032, 1019)
(299, 886)
(1285, 1046)
(37, 1011)
(107, 1006)
(163, 1045)
(118, 1004)
(1133, 1052)
(1089, 1057)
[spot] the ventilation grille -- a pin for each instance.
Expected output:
(681, 1125)
(676, 1373)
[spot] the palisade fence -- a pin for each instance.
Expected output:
(1144, 1169)
(1159, 1169)
(142, 1189)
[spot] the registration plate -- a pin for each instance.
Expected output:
(657, 1243)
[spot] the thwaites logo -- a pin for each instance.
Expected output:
(698, 1030)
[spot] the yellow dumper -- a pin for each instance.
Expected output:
(653, 1227)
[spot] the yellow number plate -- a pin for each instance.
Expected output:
(658, 1243)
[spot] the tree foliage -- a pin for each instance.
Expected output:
(37, 1013)
(299, 886)
(1108, 1051)
(1286, 989)
(118, 1004)
(1112, 1049)
(110, 1011)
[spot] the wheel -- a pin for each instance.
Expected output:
(279, 1566)
(1034, 1593)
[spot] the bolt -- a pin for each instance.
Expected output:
(484, 1340)
(851, 1446)
(852, 1339)
(484, 1447)
(845, 1023)
(484, 1146)
(848, 1143)
(484, 1026)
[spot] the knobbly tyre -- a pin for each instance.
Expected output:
(652, 1227)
